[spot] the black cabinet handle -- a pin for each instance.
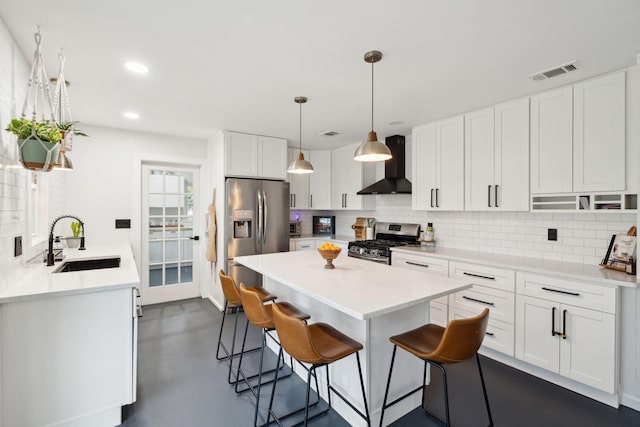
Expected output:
(575, 294)
(553, 322)
(432, 197)
(294, 200)
(496, 196)
(564, 325)
(479, 275)
(489, 333)
(195, 238)
(489, 196)
(417, 264)
(346, 202)
(437, 204)
(478, 300)
(310, 200)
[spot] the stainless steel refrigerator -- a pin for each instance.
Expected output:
(257, 221)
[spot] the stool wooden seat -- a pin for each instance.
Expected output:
(233, 303)
(318, 344)
(436, 345)
(261, 315)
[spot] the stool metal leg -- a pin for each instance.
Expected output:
(227, 355)
(445, 391)
(386, 392)
(364, 395)
(484, 390)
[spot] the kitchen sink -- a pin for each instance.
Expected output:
(88, 264)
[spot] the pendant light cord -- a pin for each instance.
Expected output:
(371, 96)
(300, 139)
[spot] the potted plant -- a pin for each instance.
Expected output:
(36, 140)
(68, 130)
(74, 242)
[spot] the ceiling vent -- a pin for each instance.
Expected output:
(555, 71)
(329, 133)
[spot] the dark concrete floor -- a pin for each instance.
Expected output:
(180, 383)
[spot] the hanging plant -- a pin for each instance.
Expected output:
(38, 140)
(62, 110)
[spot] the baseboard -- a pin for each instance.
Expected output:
(214, 302)
(632, 402)
(585, 390)
(107, 417)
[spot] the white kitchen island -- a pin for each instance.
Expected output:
(367, 301)
(68, 343)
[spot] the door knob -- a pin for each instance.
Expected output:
(195, 238)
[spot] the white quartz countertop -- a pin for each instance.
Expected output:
(361, 289)
(39, 281)
(567, 270)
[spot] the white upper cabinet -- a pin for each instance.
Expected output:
(298, 183)
(578, 137)
(599, 134)
(254, 156)
(438, 165)
(320, 179)
(497, 157)
(552, 141)
(348, 177)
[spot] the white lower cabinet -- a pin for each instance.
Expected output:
(68, 360)
(493, 288)
(438, 308)
(568, 327)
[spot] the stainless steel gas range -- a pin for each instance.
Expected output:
(388, 235)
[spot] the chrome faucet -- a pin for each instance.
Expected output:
(50, 256)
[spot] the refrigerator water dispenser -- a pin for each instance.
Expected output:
(242, 221)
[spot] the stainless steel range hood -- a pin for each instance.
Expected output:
(394, 181)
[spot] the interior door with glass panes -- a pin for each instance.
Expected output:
(169, 235)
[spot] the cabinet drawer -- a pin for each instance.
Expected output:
(500, 303)
(497, 278)
(499, 335)
(580, 294)
(305, 245)
(421, 263)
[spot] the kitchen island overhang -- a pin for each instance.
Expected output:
(367, 301)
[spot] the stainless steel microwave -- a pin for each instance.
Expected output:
(295, 228)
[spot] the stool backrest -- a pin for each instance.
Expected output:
(461, 339)
(229, 288)
(294, 336)
(254, 308)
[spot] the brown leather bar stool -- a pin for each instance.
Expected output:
(318, 344)
(233, 302)
(261, 315)
(437, 346)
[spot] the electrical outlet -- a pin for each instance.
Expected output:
(17, 246)
(552, 234)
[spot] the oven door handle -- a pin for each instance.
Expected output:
(381, 260)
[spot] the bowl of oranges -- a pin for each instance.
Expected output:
(329, 252)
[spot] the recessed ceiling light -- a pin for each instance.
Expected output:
(136, 67)
(131, 115)
(396, 123)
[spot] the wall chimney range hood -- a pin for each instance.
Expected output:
(394, 181)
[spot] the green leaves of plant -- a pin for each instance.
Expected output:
(24, 128)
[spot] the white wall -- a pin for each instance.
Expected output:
(105, 183)
(14, 178)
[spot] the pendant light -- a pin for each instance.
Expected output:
(372, 150)
(300, 165)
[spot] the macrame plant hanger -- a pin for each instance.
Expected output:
(37, 87)
(62, 108)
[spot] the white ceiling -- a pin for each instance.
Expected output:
(237, 65)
